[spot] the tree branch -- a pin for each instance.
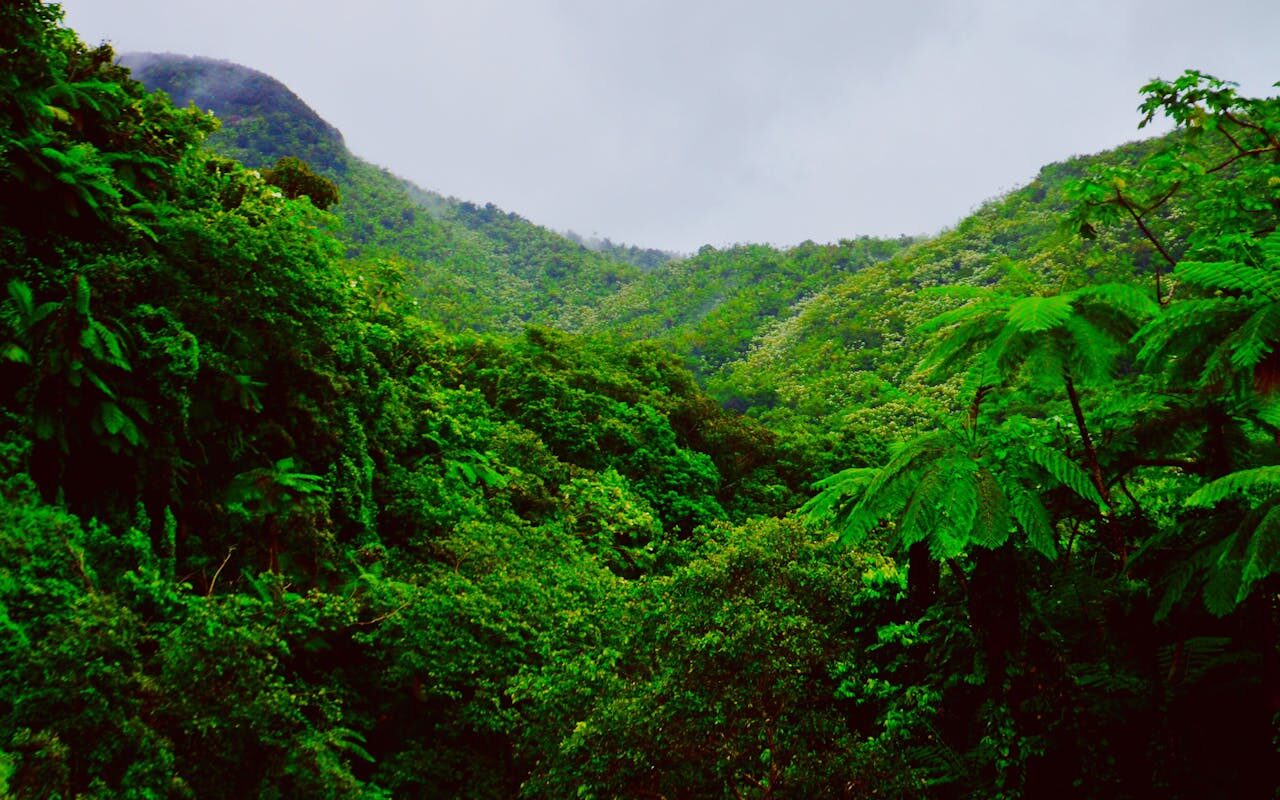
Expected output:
(1122, 201)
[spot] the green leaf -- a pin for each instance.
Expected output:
(1036, 314)
(1244, 482)
(1230, 276)
(1262, 558)
(1066, 472)
(991, 522)
(1033, 518)
(113, 418)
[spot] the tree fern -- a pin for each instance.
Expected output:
(1226, 337)
(952, 490)
(1229, 567)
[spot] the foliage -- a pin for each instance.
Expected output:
(278, 519)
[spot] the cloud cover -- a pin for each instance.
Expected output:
(674, 123)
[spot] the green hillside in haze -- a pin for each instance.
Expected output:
(472, 266)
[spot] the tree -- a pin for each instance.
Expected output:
(1073, 338)
(294, 177)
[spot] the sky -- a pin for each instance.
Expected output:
(678, 123)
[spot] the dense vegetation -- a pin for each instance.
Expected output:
(472, 267)
(282, 517)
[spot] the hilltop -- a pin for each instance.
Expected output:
(471, 265)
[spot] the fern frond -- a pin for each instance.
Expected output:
(1255, 338)
(1193, 658)
(1094, 352)
(1134, 303)
(1262, 558)
(1177, 582)
(1124, 407)
(957, 343)
(991, 523)
(1244, 482)
(969, 311)
(1066, 472)
(1230, 276)
(1007, 350)
(1181, 318)
(842, 488)
(922, 516)
(908, 455)
(1036, 314)
(959, 507)
(1269, 412)
(1033, 518)
(1270, 247)
(1223, 582)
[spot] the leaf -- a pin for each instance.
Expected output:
(1264, 479)
(22, 296)
(991, 523)
(1254, 339)
(1269, 413)
(1230, 276)
(1262, 558)
(1036, 314)
(967, 312)
(1136, 304)
(80, 294)
(838, 489)
(1223, 584)
(1066, 472)
(113, 418)
(1033, 518)
(13, 352)
(1094, 352)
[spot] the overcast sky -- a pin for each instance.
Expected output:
(677, 123)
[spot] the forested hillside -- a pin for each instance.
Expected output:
(292, 504)
(471, 266)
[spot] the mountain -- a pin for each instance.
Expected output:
(262, 120)
(814, 339)
(711, 306)
(471, 266)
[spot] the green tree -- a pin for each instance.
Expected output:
(294, 177)
(1072, 339)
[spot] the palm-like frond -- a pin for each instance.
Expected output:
(992, 523)
(1081, 331)
(1230, 276)
(1066, 472)
(1255, 338)
(1248, 482)
(1129, 301)
(1262, 555)
(1227, 336)
(1036, 314)
(1034, 520)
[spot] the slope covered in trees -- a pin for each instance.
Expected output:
(269, 529)
(471, 266)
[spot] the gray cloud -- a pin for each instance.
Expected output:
(673, 124)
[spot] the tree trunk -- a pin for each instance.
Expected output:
(922, 579)
(1114, 533)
